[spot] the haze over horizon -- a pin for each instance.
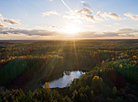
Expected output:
(67, 19)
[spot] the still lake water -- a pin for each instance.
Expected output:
(65, 80)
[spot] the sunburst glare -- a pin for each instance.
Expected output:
(71, 29)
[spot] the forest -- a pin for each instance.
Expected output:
(110, 66)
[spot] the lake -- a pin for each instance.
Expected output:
(65, 80)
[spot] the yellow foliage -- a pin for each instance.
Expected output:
(60, 57)
(112, 58)
(3, 60)
(103, 62)
(119, 57)
(120, 65)
(47, 85)
(135, 62)
(126, 55)
(101, 79)
(114, 62)
(114, 90)
(9, 59)
(134, 56)
(96, 77)
(101, 70)
(55, 55)
(122, 53)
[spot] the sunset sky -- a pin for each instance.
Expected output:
(67, 19)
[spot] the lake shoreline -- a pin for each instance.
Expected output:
(65, 80)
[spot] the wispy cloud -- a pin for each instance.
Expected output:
(78, 16)
(127, 30)
(108, 25)
(1, 25)
(110, 15)
(66, 5)
(123, 32)
(82, 14)
(132, 16)
(10, 21)
(85, 10)
(87, 14)
(85, 5)
(26, 32)
(39, 27)
(89, 17)
(117, 24)
(26, 25)
(50, 12)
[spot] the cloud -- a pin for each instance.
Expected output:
(132, 16)
(82, 14)
(50, 12)
(117, 24)
(110, 15)
(108, 25)
(29, 32)
(85, 5)
(84, 10)
(9, 21)
(123, 32)
(86, 14)
(50, 0)
(1, 25)
(97, 18)
(78, 21)
(26, 25)
(103, 34)
(82, 1)
(79, 17)
(39, 27)
(89, 17)
(127, 30)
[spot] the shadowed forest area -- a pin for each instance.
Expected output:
(111, 68)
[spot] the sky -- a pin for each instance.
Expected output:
(68, 19)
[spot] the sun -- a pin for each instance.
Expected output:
(71, 29)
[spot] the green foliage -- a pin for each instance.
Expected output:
(41, 95)
(128, 69)
(11, 96)
(67, 99)
(115, 90)
(12, 70)
(112, 66)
